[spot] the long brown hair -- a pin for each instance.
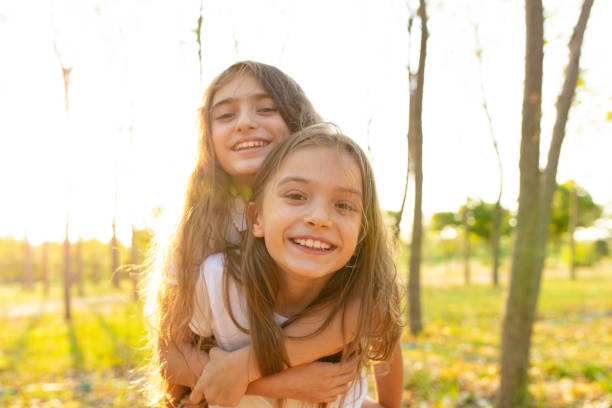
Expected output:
(205, 222)
(370, 275)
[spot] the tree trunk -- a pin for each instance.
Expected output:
(115, 257)
(66, 72)
(198, 32)
(415, 145)
(67, 277)
(78, 275)
(466, 244)
(495, 234)
(28, 265)
(573, 222)
(134, 261)
(535, 199)
(496, 221)
(45, 268)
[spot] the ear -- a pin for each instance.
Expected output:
(255, 219)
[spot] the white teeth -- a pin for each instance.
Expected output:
(312, 243)
(249, 144)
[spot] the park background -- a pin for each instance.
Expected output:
(113, 167)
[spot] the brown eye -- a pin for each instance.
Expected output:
(295, 196)
(223, 116)
(345, 206)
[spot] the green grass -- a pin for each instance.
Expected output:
(453, 363)
(89, 362)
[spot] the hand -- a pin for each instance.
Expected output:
(319, 382)
(224, 379)
(311, 382)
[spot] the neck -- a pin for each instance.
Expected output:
(243, 182)
(296, 294)
(242, 191)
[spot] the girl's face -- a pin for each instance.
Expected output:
(311, 214)
(245, 124)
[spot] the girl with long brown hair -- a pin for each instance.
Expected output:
(246, 111)
(315, 241)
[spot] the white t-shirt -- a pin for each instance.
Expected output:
(238, 226)
(211, 317)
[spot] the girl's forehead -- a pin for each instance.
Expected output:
(241, 85)
(322, 164)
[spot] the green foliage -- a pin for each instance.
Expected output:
(480, 219)
(96, 257)
(441, 220)
(588, 211)
(586, 254)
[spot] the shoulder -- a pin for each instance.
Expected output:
(213, 263)
(212, 270)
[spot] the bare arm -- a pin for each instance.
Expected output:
(183, 363)
(329, 341)
(389, 378)
(221, 375)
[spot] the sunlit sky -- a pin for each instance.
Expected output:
(135, 62)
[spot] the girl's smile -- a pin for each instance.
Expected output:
(245, 125)
(310, 217)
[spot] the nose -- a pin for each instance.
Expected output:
(318, 217)
(245, 121)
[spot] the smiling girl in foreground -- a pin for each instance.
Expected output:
(246, 110)
(316, 240)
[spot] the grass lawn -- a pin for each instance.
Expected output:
(46, 362)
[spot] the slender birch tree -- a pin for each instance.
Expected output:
(535, 199)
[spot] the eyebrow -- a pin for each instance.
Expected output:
(289, 179)
(229, 100)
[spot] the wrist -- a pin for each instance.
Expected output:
(248, 364)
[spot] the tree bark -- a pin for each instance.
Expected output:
(535, 199)
(28, 265)
(496, 219)
(45, 268)
(573, 222)
(66, 72)
(199, 41)
(415, 144)
(134, 261)
(115, 257)
(78, 275)
(67, 277)
(466, 244)
(495, 234)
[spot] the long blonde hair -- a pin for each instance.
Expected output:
(370, 275)
(206, 220)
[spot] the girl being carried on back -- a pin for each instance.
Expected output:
(247, 110)
(316, 240)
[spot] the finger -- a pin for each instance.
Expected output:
(333, 394)
(342, 379)
(348, 366)
(340, 390)
(215, 352)
(197, 394)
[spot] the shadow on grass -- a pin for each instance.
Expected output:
(76, 352)
(18, 348)
(119, 348)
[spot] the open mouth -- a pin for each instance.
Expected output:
(250, 144)
(314, 244)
